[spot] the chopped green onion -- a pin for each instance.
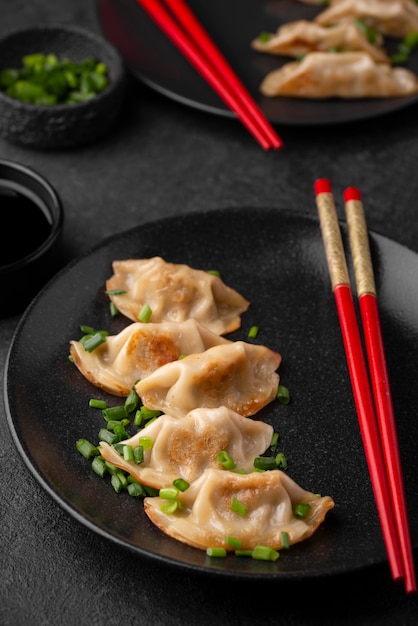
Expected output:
(115, 413)
(264, 37)
(116, 424)
(169, 506)
(148, 414)
(136, 490)
(99, 466)
(285, 540)
(302, 510)
(132, 401)
(94, 341)
(87, 449)
(265, 463)
(168, 493)
(118, 481)
(243, 552)
(97, 404)
(146, 442)
(107, 436)
(145, 313)
(283, 394)
(239, 507)
(116, 292)
(114, 311)
(253, 332)
(87, 330)
(264, 553)
(128, 453)
(181, 484)
(234, 542)
(281, 460)
(214, 272)
(216, 552)
(274, 440)
(224, 458)
(139, 455)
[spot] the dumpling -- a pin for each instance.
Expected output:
(205, 518)
(394, 18)
(297, 38)
(175, 292)
(238, 375)
(342, 75)
(138, 350)
(186, 447)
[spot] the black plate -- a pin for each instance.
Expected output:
(276, 259)
(232, 25)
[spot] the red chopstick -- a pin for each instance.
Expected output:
(356, 363)
(192, 40)
(366, 293)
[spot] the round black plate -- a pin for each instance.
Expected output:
(232, 25)
(275, 259)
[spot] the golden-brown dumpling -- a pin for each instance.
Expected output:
(297, 38)
(394, 18)
(342, 75)
(175, 292)
(205, 518)
(186, 447)
(239, 375)
(138, 350)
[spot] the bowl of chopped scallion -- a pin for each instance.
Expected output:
(61, 86)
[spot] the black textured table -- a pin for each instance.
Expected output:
(165, 159)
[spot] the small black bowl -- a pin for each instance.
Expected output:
(32, 218)
(61, 125)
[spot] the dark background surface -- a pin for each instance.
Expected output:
(165, 159)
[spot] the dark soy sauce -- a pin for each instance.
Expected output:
(24, 226)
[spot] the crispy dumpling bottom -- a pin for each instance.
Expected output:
(205, 518)
(186, 447)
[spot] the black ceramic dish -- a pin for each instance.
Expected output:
(275, 259)
(60, 125)
(31, 222)
(232, 25)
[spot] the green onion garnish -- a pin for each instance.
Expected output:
(265, 463)
(87, 449)
(97, 404)
(264, 553)
(253, 332)
(116, 292)
(217, 552)
(283, 394)
(239, 507)
(136, 490)
(234, 542)
(115, 413)
(181, 484)
(285, 540)
(145, 313)
(169, 506)
(302, 510)
(94, 341)
(224, 458)
(99, 466)
(281, 460)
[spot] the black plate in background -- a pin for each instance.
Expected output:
(276, 259)
(232, 24)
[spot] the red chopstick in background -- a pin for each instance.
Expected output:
(192, 40)
(367, 296)
(359, 378)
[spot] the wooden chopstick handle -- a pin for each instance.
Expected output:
(331, 234)
(359, 242)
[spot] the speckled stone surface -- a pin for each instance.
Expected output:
(164, 159)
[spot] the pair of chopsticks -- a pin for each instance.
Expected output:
(374, 409)
(184, 30)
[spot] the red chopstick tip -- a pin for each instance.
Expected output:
(322, 185)
(352, 193)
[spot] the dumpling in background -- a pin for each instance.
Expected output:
(297, 38)
(186, 447)
(238, 375)
(175, 292)
(342, 75)
(394, 18)
(205, 518)
(138, 350)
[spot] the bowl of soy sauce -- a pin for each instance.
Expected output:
(31, 223)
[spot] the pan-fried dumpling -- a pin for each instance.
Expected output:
(238, 375)
(175, 292)
(138, 350)
(342, 75)
(186, 447)
(394, 18)
(205, 518)
(297, 38)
